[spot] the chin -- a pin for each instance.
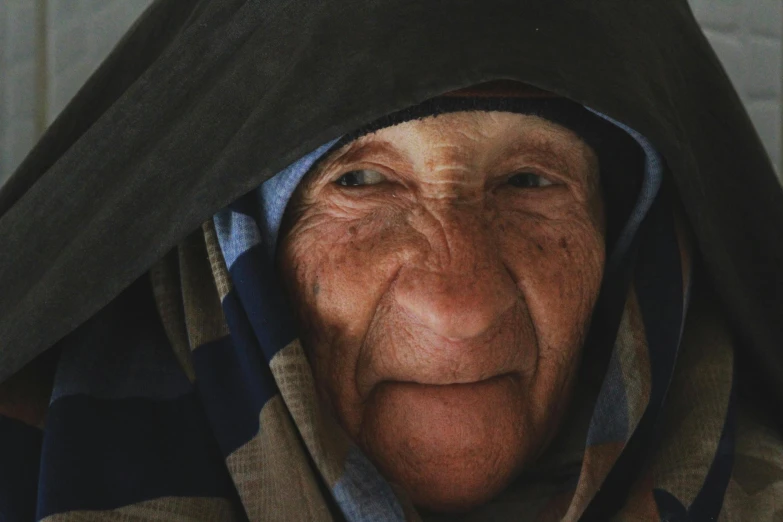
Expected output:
(456, 486)
(451, 448)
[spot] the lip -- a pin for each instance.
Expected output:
(454, 384)
(444, 398)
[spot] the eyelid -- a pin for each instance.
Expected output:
(364, 177)
(543, 173)
(342, 170)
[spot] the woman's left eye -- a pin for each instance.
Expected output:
(528, 180)
(360, 178)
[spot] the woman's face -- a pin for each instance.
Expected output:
(444, 271)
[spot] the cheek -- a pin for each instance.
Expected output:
(558, 265)
(336, 266)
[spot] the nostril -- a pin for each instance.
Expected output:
(455, 306)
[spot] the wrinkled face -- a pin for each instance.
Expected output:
(444, 271)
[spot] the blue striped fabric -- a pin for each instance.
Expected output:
(124, 424)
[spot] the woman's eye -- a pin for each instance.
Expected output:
(528, 180)
(360, 178)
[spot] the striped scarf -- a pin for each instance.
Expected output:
(191, 398)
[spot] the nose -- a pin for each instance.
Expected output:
(456, 285)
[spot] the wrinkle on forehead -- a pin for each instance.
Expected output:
(456, 143)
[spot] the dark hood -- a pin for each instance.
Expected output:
(205, 99)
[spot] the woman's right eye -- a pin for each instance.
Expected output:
(360, 178)
(528, 180)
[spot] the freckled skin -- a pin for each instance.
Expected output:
(444, 309)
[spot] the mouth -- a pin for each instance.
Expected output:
(457, 384)
(463, 399)
(466, 382)
(423, 359)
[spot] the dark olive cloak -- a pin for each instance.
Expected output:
(205, 99)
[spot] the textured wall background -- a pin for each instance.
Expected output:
(80, 35)
(48, 48)
(746, 34)
(19, 111)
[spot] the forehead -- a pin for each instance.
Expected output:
(477, 126)
(468, 136)
(472, 130)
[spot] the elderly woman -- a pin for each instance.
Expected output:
(298, 261)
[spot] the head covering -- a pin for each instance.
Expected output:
(206, 99)
(244, 379)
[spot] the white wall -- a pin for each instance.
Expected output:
(48, 48)
(746, 34)
(80, 35)
(20, 118)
